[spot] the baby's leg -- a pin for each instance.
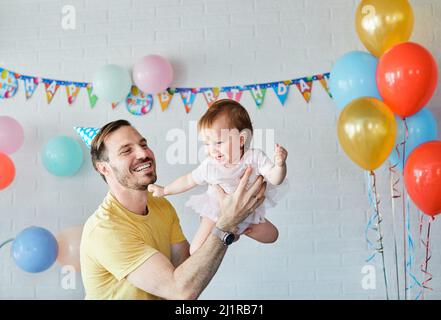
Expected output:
(264, 232)
(202, 234)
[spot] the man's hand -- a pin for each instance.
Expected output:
(280, 155)
(157, 191)
(237, 206)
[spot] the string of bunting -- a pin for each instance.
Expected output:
(139, 103)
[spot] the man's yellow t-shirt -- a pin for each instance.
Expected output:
(116, 241)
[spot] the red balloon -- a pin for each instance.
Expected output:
(407, 75)
(7, 171)
(422, 177)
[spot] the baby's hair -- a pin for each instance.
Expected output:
(237, 115)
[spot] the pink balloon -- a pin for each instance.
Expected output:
(69, 247)
(152, 74)
(11, 135)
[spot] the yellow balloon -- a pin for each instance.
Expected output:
(366, 131)
(381, 24)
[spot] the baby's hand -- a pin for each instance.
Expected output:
(157, 191)
(280, 155)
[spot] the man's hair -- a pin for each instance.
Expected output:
(98, 151)
(237, 115)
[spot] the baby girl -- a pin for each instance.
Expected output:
(226, 131)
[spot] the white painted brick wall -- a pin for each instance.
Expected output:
(321, 248)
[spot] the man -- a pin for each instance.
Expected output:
(133, 247)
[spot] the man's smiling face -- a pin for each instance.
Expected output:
(130, 161)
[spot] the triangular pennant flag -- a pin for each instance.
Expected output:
(234, 94)
(8, 84)
(72, 92)
(211, 95)
(323, 78)
(51, 89)
(305, 88)
(92, 97)
(281, 90)
(258, 94)
(188, 97)
(30, 84)
(139, 103)
(87, 134)
(165, 98)
(114, 104)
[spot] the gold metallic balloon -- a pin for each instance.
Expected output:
(366, 131)
(381, 24)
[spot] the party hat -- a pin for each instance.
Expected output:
(87, 134)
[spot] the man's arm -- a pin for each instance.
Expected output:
(158, 276)
(179, 252)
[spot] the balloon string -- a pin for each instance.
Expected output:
(380, 235)
(404, 208)
(425, 264)
(6, 242)
(410, 251)
(370, 223)
(394, 194)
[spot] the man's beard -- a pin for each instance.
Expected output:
(125, 181)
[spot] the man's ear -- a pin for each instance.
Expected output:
(103, 168)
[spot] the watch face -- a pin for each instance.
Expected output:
(229, 238)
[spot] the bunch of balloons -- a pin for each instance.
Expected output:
(151, 74)
(35, 249)
(381, 97)
(11, 139)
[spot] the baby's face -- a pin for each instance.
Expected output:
(221, 142)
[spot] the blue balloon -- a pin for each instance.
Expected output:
(353, 76)
(421, 127)
(112, 83)
(62, 156)
(34, 249)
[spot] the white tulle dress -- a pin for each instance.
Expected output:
(212, 172)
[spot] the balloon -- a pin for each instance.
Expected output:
(421, 127)
(406, 77)
(352, 77)
(62, 156)
(152, 74)
(34, 249)
(366, 131)
(422, 177)
(112, 83)
(69, 246)
(11, 135)
(7, 171)
(381, 24)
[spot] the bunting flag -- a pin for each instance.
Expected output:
(72, 92)
(92, 97)
(188, 97)
(87, 134)
(324, 78)
(8, 84)
(165, 98)
(51, 87)
(30, 84)
(234, 94)
(211, 95)
(139, 103)
(281, 90)
(305, 88)
(258, 94)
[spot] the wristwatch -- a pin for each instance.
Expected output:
(226, 237)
